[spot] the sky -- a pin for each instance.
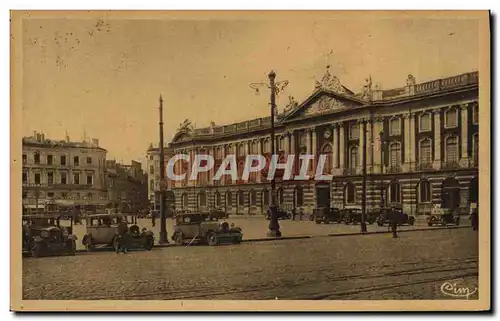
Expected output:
(102, 75)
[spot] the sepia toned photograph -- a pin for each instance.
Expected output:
(250, 161)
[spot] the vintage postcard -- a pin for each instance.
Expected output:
(250, 161)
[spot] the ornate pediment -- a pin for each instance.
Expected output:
(324, 104)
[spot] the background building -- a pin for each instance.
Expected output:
(127, 186)
(421, 149)
(62, 170)
(153, 174)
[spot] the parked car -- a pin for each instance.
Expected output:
(327, 215)
(282, 214)
(442, 216)
(201, 227)
(219, 213)
(353, 214)
(386, 215)
(111, 230)
(43, 235)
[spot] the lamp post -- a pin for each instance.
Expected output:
(363, 200)
(163, 218)
(275, 88)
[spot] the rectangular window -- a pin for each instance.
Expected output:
(63, 160)
(89, 180)
(37, 158)
(395, 127)
(63, 178)
(151, 169)
(89, 160)
(452, 149)
(354, 132)
(151, 157)
(425, 122)
(451, 118)
(50, 159)
(37, 178)
(76, 161)
(25, 178)
(25, 159)
(475, 115)
(50, 178)
(50, 194)
(151, 185)
(76, 178)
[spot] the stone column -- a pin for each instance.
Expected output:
(361, 125)
(335, 147)
(341, 146)
(308, 133)
(314, 148)
(292, 142)
(437, 139)
(406, 138)
(287, 142)
(369, 145)
(464, 159)
(247, 148)
(377, 148)
(413, 143)
(212, 151)
(222, 179)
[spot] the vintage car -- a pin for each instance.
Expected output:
(282, 214)
(113, 230)
(219, 213)
(442, 216)
(387, 215)
(351, 214)
(327, 215)
(201, 227)
(43, 235)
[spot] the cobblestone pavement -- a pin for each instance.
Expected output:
(257, 227)
(413, 266)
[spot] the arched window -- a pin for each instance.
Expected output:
(475, 148)
(241, 150)
(350, 193)
(299, 192)
(230, 149)
(254, 149)
(354, 131)
(425, 151)
(217, 199)
(185, 201)
(353, 157)
(425, 122)
(451, 149)
(451, 118)
(265, 197)
(395, 126)
(241, 168)
(327, 151)
(253, 197)
(281, 197)
(475, 114)
(229, 199)
(266, 146)
(281, 143)
(394, 192)
(395, 154)
(424, 191)
(241, 199)
(202, 199)
(218, 153)
(303, 140)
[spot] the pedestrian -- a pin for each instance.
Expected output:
(153, 219)
(301, 213)
(474, 218)
(294, 213)
(394, 227)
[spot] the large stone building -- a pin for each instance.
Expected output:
(127, 186)
(62, 170)
(421, 149)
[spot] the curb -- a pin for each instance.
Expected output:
(301, 237)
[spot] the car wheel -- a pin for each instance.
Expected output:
(36, 249)
(212, 239)
(457, 221)
(179, 239)
(429, 224)
(318, 222)
(237, 240)
(411, 221)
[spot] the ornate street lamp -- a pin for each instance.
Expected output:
(275, 88)
(163, 218)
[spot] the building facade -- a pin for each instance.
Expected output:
(127, 186)
(153, 174)
(421, 149)
(62, 170)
